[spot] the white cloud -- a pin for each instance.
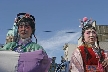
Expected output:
(55, 43)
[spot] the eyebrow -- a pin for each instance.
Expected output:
(24, 24)
(90, 30)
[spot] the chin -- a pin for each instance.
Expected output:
(92, 42)
(23, 37)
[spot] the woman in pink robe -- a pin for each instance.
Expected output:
(89, 57)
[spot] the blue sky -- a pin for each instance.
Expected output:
(58, 16)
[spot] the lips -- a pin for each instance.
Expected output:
(23, 33)
(92, 39)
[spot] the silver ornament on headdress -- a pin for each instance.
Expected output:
(85, 21)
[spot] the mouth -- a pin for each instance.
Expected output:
(92, 39)
(23, 33)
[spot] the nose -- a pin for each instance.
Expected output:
(91, 34)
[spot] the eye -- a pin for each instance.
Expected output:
(27, 26)
(20, 26)
(88, 32)
(94, 32)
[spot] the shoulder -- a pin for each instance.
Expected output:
(76, 62)
(9, 45)
(76, 51)
(33, 44)
(80, 47)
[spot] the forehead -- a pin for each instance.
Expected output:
(24, 23)
(89, 30)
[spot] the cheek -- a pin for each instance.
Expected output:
(95, 35)
(86, 37)
(30, 31)
(95, 38)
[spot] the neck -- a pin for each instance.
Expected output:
(93, 45)
(90, 44)
(24, 40)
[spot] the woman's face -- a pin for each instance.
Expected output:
(90, 36)
(24, 30)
